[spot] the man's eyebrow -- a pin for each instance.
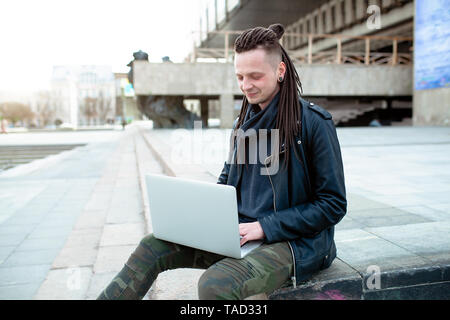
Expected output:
(254, 72)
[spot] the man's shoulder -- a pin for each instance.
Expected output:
(316, 109)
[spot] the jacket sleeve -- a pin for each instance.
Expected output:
(223, 177)
(328, 203)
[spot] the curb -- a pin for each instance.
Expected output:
(429, 283)
(142, 184)
(166, 169)
(143, 188)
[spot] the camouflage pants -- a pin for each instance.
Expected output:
(264, 269)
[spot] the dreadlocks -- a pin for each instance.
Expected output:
(288, 118)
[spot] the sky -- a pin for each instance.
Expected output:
(37, 34)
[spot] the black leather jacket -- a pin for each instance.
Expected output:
(309, 197)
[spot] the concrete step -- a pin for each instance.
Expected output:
(14, 155)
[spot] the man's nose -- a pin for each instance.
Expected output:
(246, 84)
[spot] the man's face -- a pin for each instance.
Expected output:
(257, 76)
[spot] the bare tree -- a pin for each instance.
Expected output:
(15, 112)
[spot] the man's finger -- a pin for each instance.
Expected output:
(242, 230)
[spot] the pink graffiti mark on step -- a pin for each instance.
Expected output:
(330, 295)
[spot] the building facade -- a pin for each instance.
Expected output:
(83, 95)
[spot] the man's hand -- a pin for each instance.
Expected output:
(250, 231)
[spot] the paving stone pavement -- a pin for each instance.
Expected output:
(69, 225)
(108, 230)
(43, 208)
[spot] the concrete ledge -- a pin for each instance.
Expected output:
(341, 282)
(338, 282)
(166, 169)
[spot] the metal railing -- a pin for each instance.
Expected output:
(332, 54)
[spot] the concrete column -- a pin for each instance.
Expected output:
(338, 19)
(226, 110)
(286, 41)
(328, 19)
(361, 9)
(430, 107)
(293, 41)
(204, 111)
(297, 30)
(304, 39)
(349, 13)
(388, 103)
(320, 28)
(310, 20)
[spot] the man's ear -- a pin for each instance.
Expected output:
(282, 68)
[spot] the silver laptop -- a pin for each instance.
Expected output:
(197, 214)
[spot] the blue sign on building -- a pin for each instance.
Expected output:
(432, 44)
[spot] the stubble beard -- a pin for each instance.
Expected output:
(256, 100)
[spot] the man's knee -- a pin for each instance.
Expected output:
(146, 254)
(215, 284)
(148, 240)
(151, 247)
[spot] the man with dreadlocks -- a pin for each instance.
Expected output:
(292, 209)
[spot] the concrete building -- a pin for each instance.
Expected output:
(362, 52)
(83, 94)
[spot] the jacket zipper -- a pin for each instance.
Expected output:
(294, 278)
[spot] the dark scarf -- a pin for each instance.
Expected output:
(256, 118)
(254, 190)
